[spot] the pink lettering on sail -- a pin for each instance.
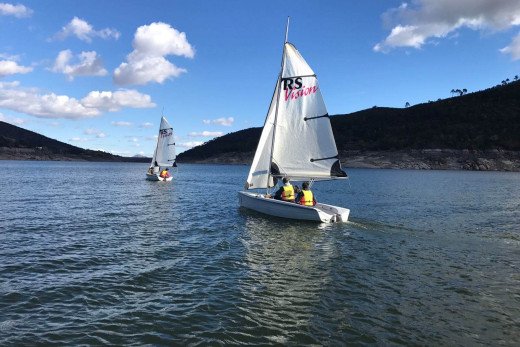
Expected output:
(293, 94)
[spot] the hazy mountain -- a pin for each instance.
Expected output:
(17, 143)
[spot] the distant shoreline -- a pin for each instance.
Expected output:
(416, 159)
(9, 153)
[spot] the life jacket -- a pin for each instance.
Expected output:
(307, 198)
(288, 193)
(164, 174)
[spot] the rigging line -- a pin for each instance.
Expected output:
(309, 118)
(314, 75)
(334, 157)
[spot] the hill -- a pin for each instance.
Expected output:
(17, 143)
(473, 131)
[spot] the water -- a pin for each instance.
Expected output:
(91, 253)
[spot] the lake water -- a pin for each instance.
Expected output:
(91, 253)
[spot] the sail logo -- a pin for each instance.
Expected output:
(165, 132)
(294, 88)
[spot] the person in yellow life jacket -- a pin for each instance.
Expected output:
(164, 173)
(305, 196)
(286, 192)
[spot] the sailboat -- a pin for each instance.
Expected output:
(296, 142)
(164, 154)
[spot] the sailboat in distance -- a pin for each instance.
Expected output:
(164, 155)
(296, 142)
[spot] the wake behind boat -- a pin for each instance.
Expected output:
(296, 142)
(164, 155)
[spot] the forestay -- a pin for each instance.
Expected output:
(297, 139)
(164, 154)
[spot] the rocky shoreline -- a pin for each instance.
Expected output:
(424, 159)
(434, 159)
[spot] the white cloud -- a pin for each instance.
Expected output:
(9, 67)
(18, 11)
(30, 101)
(78, 139)
(221, 121)
(9, 56)
(206, 134)
(147, 62)
(12, 120)
(145, 70)
(146, 125)
(90, 64)
(49, 105)
(414, 25)
(114, 101)
(190, 144)
(513, 49)
(134, 141)
(121, 124)
(92, 131)
(84, 31)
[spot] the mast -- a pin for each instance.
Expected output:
(154, 158)
(277, 103)
(287, 30)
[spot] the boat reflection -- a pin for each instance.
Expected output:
(289, 264)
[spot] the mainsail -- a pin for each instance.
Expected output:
(164, 154)
(297, 139)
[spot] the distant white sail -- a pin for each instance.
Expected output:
(164, 154)
(297, 139)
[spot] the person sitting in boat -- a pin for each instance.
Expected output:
(150, 170)
(164, 173)
(305, 196)
(286, 192)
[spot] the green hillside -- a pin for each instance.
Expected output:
(484, 120)
(18, 143)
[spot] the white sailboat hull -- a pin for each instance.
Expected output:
(319, 212)
(156, 177)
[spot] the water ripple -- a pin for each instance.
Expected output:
(123, 261)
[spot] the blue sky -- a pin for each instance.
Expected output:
(99, 74)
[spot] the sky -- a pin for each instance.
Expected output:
(100, 74)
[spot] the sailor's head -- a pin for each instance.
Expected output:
(305, 185)
(285, 180)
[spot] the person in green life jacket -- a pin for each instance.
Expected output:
(305, 196)
(286, 192)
